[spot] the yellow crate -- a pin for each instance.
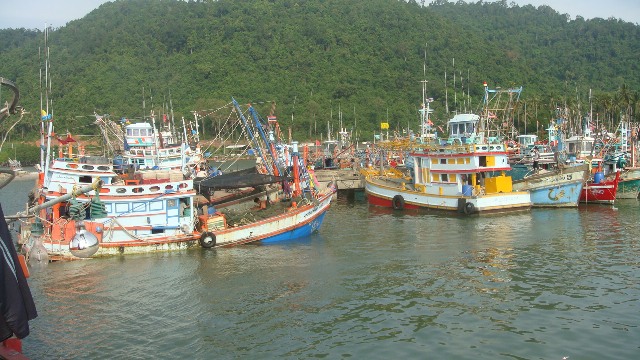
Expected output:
(498, 184)
(216, 223)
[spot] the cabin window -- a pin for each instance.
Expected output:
(172, 204)
(85, 179)
(451, 161)
(122, 208)
(452, 177)
(87, 167)
(444, 177)
(460, 161)
(482, 161)
(129, 132)
(443, 161)
(108, 208)
(139, 207)
(155, 205)
(136, 132)
(103, 168)
(434, 177)
(467, 160)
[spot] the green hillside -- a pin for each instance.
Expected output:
(314, 57)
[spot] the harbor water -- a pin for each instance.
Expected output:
(373, 283)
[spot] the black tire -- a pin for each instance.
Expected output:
(469, 208)
(207, 240)
(397, 202)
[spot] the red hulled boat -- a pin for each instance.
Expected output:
(599, 190)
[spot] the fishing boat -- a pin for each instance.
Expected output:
(264, 219)
(128, 213)
(620, 154)
(454, 175)
(142, 211)
(553, 183)
(598, 190)
(296, 210)
(559, 187)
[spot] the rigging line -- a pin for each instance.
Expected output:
(234, 127)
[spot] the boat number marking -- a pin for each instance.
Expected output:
(558, 195)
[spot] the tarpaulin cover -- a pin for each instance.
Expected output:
(235, 180)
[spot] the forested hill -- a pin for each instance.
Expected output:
(314, 57)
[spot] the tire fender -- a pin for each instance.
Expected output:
(207, 240)
(397, 202)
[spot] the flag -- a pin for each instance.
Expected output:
(44, 116)
(384, 126)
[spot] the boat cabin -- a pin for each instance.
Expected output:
(579, 147)
(139, 134)
(463, 128)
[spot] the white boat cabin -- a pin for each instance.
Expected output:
(463, 129)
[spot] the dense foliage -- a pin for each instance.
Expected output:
(314, 58)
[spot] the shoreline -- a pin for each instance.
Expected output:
(23, 175)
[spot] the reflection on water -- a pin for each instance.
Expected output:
(373, 283)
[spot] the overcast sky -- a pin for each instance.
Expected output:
(34, 14)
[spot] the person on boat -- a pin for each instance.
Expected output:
(286, 189)
(260, 204)
(535, 154)
(15, 297)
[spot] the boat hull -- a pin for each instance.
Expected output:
(559, 188)
(629, 184)
(299, 222)
(604, 192)
(380, 194)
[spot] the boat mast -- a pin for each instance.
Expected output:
(48, 116)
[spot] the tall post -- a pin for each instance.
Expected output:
(296, 170)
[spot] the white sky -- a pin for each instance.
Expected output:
(34, 14)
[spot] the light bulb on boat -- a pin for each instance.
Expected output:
(84, 244)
